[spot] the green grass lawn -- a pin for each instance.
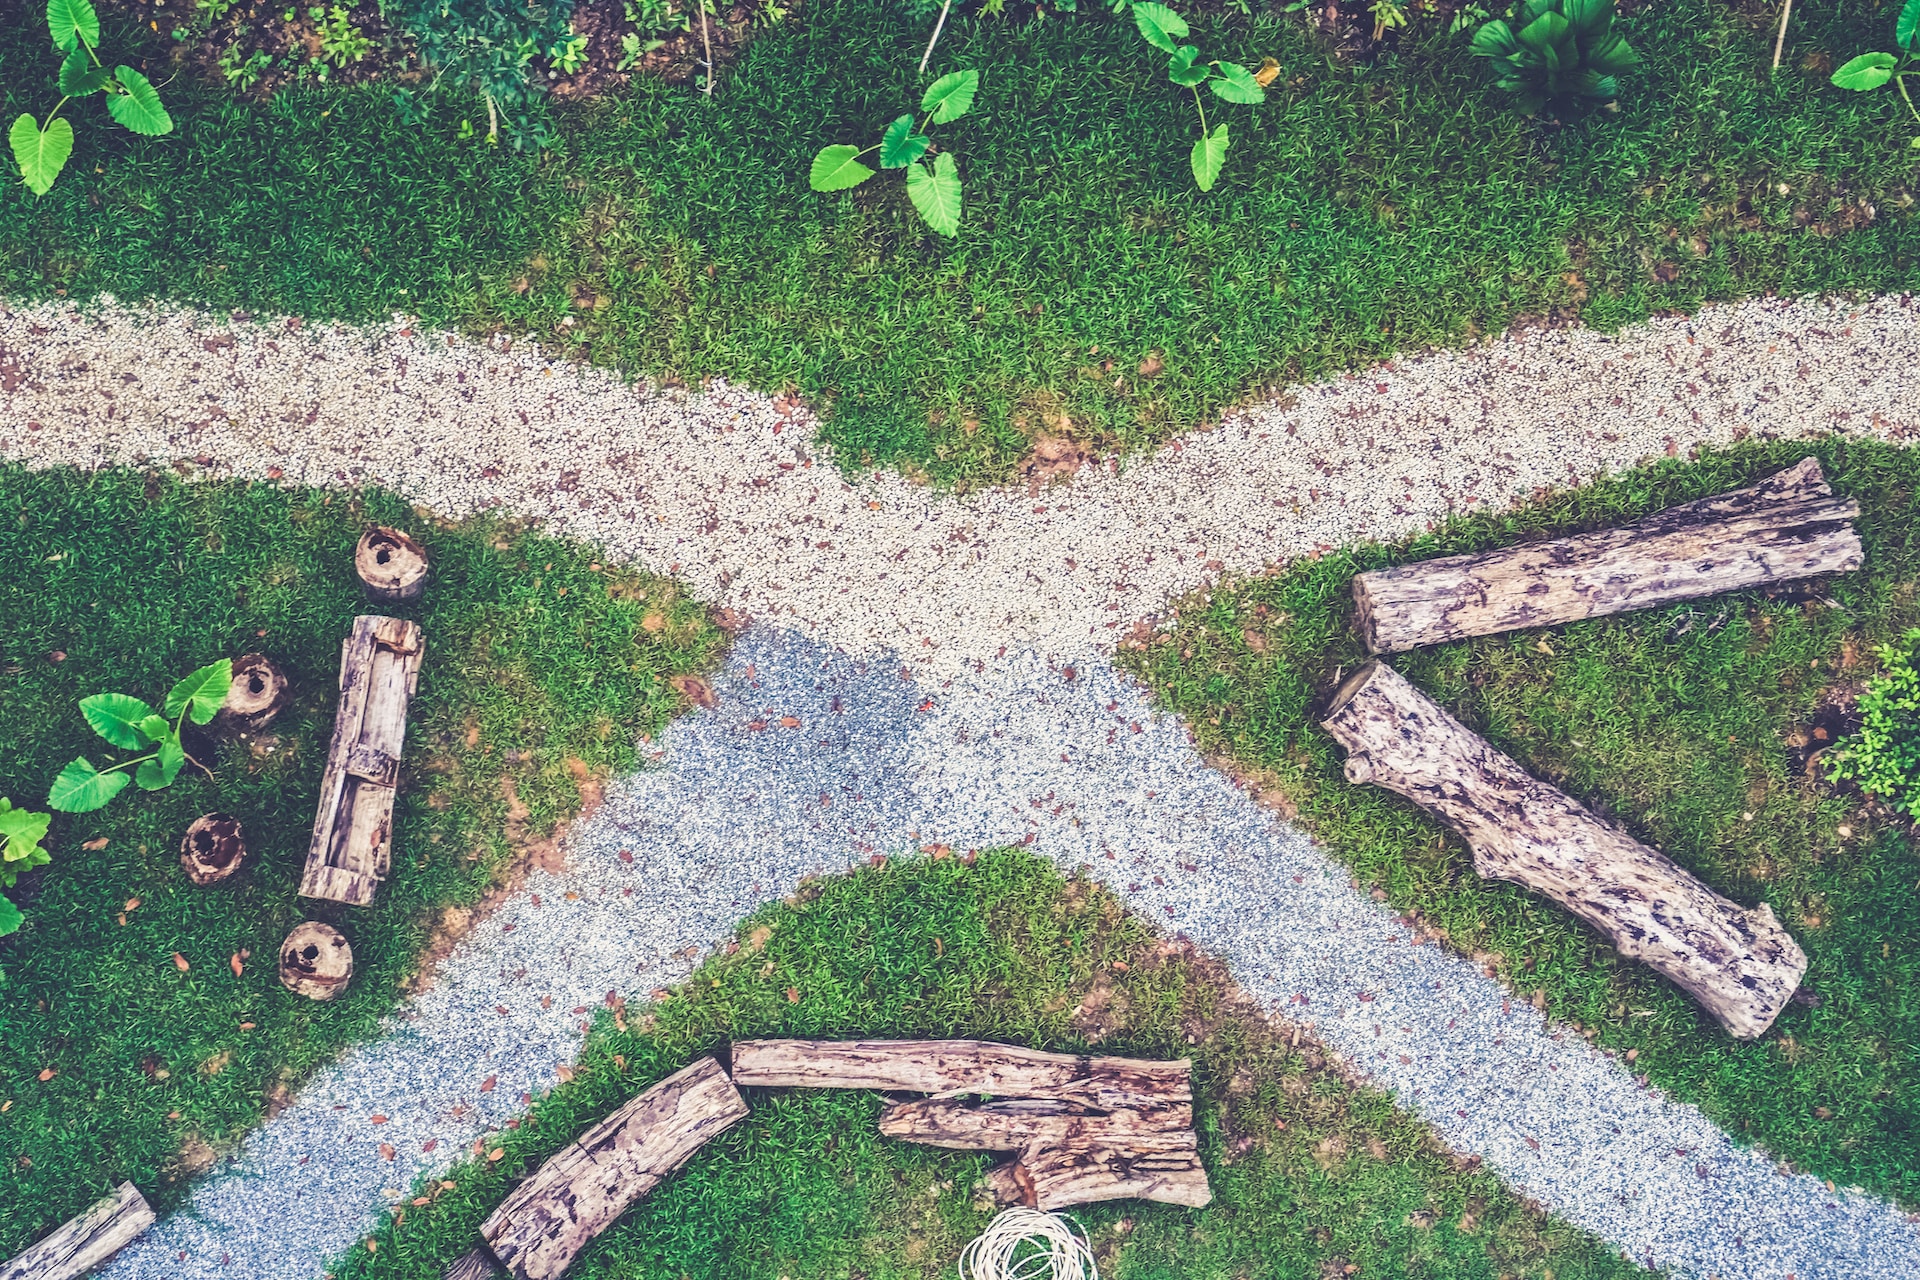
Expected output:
(1681, 734)
(1309, 1174)
(1364, 210)
(532, 659)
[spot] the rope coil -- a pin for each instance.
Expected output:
(1026, 1244)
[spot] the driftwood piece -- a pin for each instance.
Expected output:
(212, 848)
(956, 1067)
(391, 565)
(549, 1218)
(1015, 1124)
(1161, 1166)
(1738, 962)
(1786, 527)
(79, 1246)
(259, 693)
(352, 844)
(315, 961)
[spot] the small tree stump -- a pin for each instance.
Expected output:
(212, 848)
(315, 961)
(71, 1251)
(391, 565)
(259, 692)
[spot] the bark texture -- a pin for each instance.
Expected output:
(352, 844)
(79, 1246)
(315, 961)
(391, 565)
(1163, 1166)
(259, 693)
(1786, 527)
(1738, 962)
(1015, 1124)
(476, 1263)
(964, 1066)
(212, 848)
(537, 1231)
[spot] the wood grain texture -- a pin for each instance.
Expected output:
(391, 565)
(352, 846)
(964, 1066)
(1786, 527)
(72, 1250)
(477, 1263)
(1163, 1166)
(539, 1229)
(1014, 1124)
(1738, 962)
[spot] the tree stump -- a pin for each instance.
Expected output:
(1738, 962)
(259, 693)
(391, 565)
(212, 848)
(1786, 527)
(72, 1250)
(315, 961)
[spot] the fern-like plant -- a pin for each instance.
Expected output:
(1557, 53)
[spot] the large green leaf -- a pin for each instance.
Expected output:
(951, 96)
(1209, 156)
(40, 153)
(70, 22)
(24, 830)
(1181, 69)
(1236, 84)
(81, 787)
(836, 168)
(900, 146)
(139, 107)
(117, 717)
(1612, 54)
(935, 193)
(1588, 15)
(1907, 25)
(1868, 71)
(1544, 32)
(201, 693)
(1160, 25)
(79, 76)
(10, 917)
(1494, 40)
(160, 771)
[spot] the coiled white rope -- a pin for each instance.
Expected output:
(1026, 1244)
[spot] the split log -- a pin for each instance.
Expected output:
(1164, 1167)
(352, 846)
(537, 1231)
(1738, 962)
(315, 961)
(391, 565)
(73, 1250)
(1015, 1124)
(212, 848)
(1786, 527)
(259, 693)
(955, 1067)
(477, 1263)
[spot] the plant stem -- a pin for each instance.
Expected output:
(934, 38)
(1780, 40)
(706, 39)
(1203, 109)
(1900, 83)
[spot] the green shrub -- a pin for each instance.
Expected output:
(934, 187)
(21, 831)
(1162, 28)
(41, 150)
(486, 46)
(1884, 757)
(1565, 53)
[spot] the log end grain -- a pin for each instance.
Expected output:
(212, 848)
(391, 565)
(260, 691)
(315, 961)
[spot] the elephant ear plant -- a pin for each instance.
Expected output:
(933, 186)
(1162, 28)
(21, 831)
(41, 150)
(1874, 70)
(1560, 53)
(132, 725)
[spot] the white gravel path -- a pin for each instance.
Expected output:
(924, 644)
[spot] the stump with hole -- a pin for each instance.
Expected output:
(315, 961)
(258, 694)
(212, 848)
(391, 565)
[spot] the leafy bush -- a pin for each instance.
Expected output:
(131, 724)
(1161, 27)
(40, 150)
(1565, 54)
(1884, 757)
(934, 188)
(1873, 70)
(21, 831)
(486, 45)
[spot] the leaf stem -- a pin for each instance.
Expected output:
(1195, 91)
(946, 5)
(1900, 83)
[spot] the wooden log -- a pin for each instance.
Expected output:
(1015, 1124)
(315, 961)
(352, 846)
(392, 566)
(1163, 1166)
(537, 1231)
(1786, 527)
(259, 692)
(212, 848)
(477, 1263)
(76, 1248)
(1738, 962)
(954, 1067)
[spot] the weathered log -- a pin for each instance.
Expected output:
(1015, 1124)
(76, 1248)
(259, 693)
(212, 848)
(1786, 527)
(1162, 1166)
(391, 565)
(1738, 962)
(477, 1263)
(352, 844)
(315, 961)
(954, 1067)
(549, 1218)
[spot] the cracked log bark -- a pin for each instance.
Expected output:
(352, 846)
(1786, 527)
(537, 1231)
(1014, 1124)
(1738, 962)
(1161, 1166)
(79, 1246)
(963, 1066)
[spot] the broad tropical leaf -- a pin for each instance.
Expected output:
(1868, 71)
(24, 830)
(1587, 15)
(935, 193)
(900, 146)
(10, 917)
(836, 168)
(1210, 156)
(70, 22)
(80, 77)
(201, 693)
(1181, 68)
(1907, 25)
(1544, 32)
(81, 787)
(139, 107)
(1494, 40)
(40, 153)
(156, 728)
(160, 771)
(118, 717)
(951, 96)
(1237, 84)
(1160, 25)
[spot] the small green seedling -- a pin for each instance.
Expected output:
(1884, 756)
(131, 724)
(21, 831)
(933, 186)
(1162, 28)
(1872, 70)
(41, 150)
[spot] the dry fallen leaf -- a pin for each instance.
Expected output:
(496, 1153)
(376, 1118)
(793, 995)
(1269, 72)
(1153, 366)
(565, 1073)
(47, 1074)
(694, 690)
(180, 962)
(235, 965)
(132, 904)
(789, 722)
(486, 1086)
(94, 845)
(386, 1151)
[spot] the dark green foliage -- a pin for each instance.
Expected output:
(1562, 54)
(486, 46)
(1884, 756)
